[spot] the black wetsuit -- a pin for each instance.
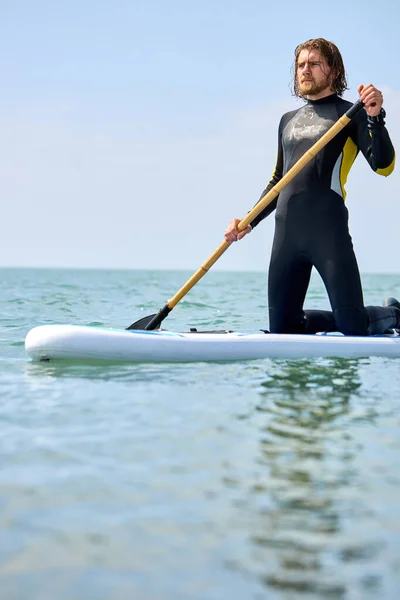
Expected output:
(311, 224)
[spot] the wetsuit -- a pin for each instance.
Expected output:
(311, 222)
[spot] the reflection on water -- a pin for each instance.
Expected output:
(248, 474)
(113, 372)
(308, 452)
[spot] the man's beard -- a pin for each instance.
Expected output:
(311, 88)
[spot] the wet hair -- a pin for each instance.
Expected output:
(334, 59)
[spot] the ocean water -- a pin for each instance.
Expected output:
(270, 479)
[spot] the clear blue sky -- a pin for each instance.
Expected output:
(132, 132)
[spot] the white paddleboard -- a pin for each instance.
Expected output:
(83, 343)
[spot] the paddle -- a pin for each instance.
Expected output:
(154, 321)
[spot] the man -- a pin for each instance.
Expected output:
(311, 222)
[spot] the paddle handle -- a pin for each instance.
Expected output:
(267, 199)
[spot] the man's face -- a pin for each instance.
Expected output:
(313, 73)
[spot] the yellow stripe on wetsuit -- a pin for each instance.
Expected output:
(347, 159)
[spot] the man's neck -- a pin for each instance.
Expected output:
(323, 94)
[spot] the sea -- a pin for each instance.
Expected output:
(267, 479)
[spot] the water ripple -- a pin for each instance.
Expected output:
(274, 479)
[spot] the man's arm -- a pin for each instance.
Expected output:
(276, 176)
(370, 134)
(232, 233)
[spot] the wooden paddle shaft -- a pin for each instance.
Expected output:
(267, 199)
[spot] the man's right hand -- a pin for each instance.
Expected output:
(232, 233)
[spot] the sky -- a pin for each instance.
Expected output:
(132, 132)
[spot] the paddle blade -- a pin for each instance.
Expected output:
(141, 324)
(152, 321)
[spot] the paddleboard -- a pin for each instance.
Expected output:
(85, 343)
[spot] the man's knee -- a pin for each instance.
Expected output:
(282, 322)
(351, 321)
